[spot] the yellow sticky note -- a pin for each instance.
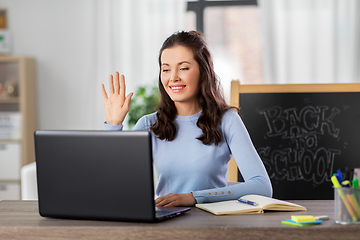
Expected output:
(303, 218)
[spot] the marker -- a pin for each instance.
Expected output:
(335, 182)
(355, 183)
(346, 183)
(339, 176)
(247, 202)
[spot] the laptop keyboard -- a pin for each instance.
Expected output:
(161, 212)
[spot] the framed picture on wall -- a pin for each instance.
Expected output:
(3, 19)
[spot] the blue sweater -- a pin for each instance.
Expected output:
(186, 165)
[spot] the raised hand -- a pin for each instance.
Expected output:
(115, 103)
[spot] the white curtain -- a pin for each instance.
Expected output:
(128, 35)
(311, 41)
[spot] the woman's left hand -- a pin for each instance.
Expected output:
(175, 200)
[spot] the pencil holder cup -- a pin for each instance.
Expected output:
(347, 209)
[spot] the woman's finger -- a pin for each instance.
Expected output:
(105, 97)
(127, 101)
(122, 86)
(159, 199)
(165, 200)
(117, 83)
(171, 204)
(162, 203)
(111, 85)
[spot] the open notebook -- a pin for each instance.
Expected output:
(236, 207)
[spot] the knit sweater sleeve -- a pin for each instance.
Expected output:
(143, 124)
(256, 179)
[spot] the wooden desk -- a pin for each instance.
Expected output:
(21, 220)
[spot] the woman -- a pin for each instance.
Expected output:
(194, 131)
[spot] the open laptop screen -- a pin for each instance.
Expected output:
(95, 175)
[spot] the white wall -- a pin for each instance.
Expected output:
(311, 41)
(59, 35)
(77, 44)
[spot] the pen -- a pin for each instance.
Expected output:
(247, 202)
(351, 198)
(355, 205)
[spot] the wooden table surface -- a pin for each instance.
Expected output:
(21, 220)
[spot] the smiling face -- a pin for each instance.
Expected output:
(180, 76)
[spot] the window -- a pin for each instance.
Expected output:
(232, 31)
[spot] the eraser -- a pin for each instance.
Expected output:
(302, 218)
(324, 217)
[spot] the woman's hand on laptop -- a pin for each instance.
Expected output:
(115, 103)
(176, 200)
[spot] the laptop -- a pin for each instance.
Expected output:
(97, 175)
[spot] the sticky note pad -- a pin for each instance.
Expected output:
(303, 218)
(302, 224)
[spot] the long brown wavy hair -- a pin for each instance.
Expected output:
(211, 98)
